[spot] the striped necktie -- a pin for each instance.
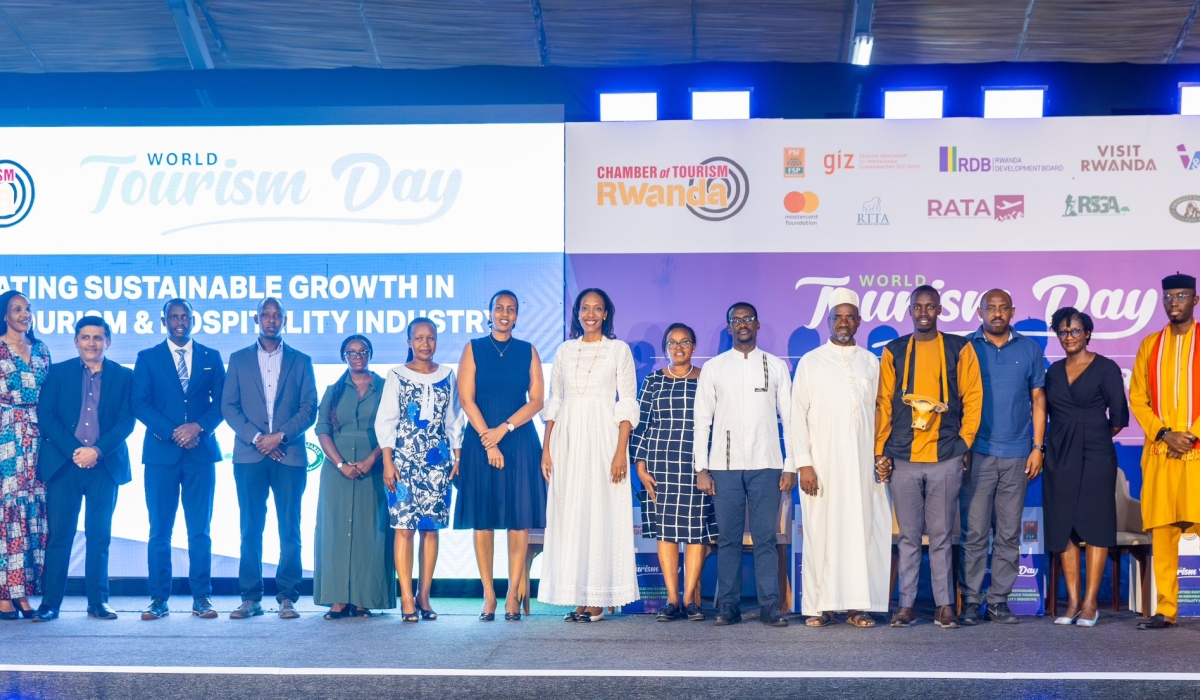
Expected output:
(181, 368)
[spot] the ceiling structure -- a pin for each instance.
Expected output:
(68, 36)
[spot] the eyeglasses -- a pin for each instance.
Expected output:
(679, 343)
(1073, 332)
(1181, 297)
(742, 321)
(357, 354)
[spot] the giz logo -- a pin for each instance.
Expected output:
(16, 193)
(838, 161)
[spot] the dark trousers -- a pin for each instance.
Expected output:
(255, 483)
(65, 494)
(758, 489)
(165, 484)
(992, 502)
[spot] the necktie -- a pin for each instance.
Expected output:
(181, 368)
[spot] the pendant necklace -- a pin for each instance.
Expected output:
(588, 379)
(507, 345)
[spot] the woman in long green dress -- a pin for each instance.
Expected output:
(354, 572)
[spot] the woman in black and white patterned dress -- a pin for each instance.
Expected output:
(674, 511)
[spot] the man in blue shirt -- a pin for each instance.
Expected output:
(1003, 460)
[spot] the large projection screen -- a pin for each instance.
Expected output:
(356, 227)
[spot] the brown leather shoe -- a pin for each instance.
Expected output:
(903, 617)
(945, 618)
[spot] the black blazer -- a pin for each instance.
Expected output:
(58, 416)
(160, 404)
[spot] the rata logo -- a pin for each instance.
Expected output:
(1093, 205)
(714, 190)
(1187, 208)
(16, 193)
(1004, 207)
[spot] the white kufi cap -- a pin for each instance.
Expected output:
(843, 296)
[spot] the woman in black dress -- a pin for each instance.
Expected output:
(500, 484)
(674, 511)
(1086, 401)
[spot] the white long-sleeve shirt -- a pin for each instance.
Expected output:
(741, 401)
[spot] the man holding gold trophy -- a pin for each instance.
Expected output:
(926, 417)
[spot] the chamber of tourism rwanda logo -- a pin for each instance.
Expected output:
(715, 189)
(16, 193)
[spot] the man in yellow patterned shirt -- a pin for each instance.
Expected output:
(1164, 393)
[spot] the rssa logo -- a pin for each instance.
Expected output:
(16, 193)
(1093, 205)
(1002, 207)
(714, 190)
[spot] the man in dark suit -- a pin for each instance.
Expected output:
(85, 417)
(270, 400)
(177, 395)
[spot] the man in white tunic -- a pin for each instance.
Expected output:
(845, 510)
(742, 397)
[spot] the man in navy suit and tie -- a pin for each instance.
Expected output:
(270, 400)
(85, 417)
(177, 395)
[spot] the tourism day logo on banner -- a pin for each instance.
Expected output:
(16, 193)
(1003, 207)
(714, 190)
(1117, 157)
(951, 161)
(1093, 205)
(873, 214)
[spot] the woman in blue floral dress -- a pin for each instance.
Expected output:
(419, 426)
(24, 364)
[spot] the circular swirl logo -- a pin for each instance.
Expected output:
(16, 193)
(736, 187)
(315, 456)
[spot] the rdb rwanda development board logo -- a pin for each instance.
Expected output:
(714, 190)
(16, 193)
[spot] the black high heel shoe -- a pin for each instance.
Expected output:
(10, 615)
(28, 613)
(426, 614)
(344, 612)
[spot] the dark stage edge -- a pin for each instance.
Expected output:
(630, 656)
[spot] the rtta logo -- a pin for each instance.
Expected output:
(1093, 205)
(1004, 207)
(793, 162)
(16, 193)
(949, 162)
(872, 213)
(1187, 209)
(1191, 162)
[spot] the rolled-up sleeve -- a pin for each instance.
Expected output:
(626, 408)
(389, 412)
(555, 401)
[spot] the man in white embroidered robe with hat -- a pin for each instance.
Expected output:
(1164, 394)
(845, 511)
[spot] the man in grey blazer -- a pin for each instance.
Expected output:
(270, 400)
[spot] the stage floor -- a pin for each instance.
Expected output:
(542, 656)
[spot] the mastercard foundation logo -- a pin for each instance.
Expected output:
(801, 202)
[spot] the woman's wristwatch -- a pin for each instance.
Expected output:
(510, 426)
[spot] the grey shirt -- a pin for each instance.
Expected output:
(88, 430)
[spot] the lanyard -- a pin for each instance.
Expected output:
(910, 369)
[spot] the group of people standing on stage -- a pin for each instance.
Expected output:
(947, 429)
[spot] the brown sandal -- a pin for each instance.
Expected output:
(860, 619)
(825, 618)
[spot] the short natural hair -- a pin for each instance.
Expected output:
(743, 304)
(1065, 315)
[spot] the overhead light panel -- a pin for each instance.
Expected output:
(1189, 99)
(861, 55)
(628, 106)
(1023, 103)
(721, 104)
(912, 104)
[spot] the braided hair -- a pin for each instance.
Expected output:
(339, 389)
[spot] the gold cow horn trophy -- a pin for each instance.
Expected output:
(923, 408)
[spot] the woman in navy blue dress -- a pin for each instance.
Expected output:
(500, 484)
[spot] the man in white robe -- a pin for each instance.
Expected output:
(845, 510)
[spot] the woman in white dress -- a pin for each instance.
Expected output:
(588, 551)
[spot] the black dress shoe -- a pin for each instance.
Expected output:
(729, 615)
(158, 609)
(669, 612)
(45, 613)
(101, 612)
(772, 616)
(970, 614)
(203, 608)
(1000, 613)
(248, 608)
